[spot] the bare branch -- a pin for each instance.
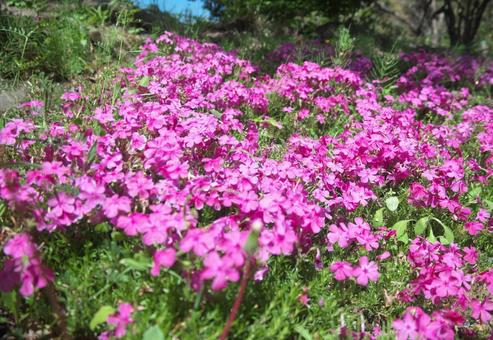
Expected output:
(405, 21)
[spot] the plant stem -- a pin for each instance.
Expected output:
(61, 328)
(239, 297)
(50, 294)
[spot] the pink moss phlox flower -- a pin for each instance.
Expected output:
(416, 324)
(481, 309)
(473, 228)
(470, 255)
(119, 322)
(220, 270)
(71, 96)
(24, 268)
(366, 270)
(185, 161)
(163, 258)
(341, 270)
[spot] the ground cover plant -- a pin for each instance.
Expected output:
(198, 197)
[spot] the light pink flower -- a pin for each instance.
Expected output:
(367, 270)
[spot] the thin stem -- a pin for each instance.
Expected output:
(51, 295)
(239, 297)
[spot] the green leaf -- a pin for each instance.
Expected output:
(101, 316)
(251, 243)
(488, 203)
(378, 217)
(9, 301)
(144, 82)
(448, 234)
(274, 123)
(443, 240)
(392, 203)
(2, 209)
(91, 155)
(102, 227)
(216, 113)
(431, 237)
(401, 229)
(153, 333)
(116, 91)
(303, 332)
(404, 238)
(139, 262)
(97, 129)
(421, 225)
(475, 191)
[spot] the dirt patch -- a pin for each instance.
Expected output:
(10, 99)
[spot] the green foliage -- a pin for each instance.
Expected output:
(392, 203)
(93, 277)
(284, 11)
(386, 68)
(65, 48)
(401, 230)
(65, 43)
(95, 274)
(153, 333)
(344, 46)
(34, 4)
(14, 33)
(378, 217)
(57, 47)
(101, 316)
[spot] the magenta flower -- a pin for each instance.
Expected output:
(304, 298)
(406, 328)
(365, 271)
(133, 223)
(341, 270)
(481, 310)
(19, 246)
(71, 96)
(9, 277)
(473, 228)
(13, 129)
(188, 160)
(339, 235)
(120, 321)
(318, 260)
(220, 270)
(24, 267)
(198, 241)
(32, 103)
(261, 273)
(416, 324)
(470, 254)
(483, 215)
(163, 258)
(116, 204)
(34, 276)
(62, 209)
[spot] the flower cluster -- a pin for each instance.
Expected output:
(119, 322)
(416, 324)
(317, 50)
(23, 267)
(365, 271)
(188, 159)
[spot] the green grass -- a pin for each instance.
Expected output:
(106, 269)
(96, 267)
